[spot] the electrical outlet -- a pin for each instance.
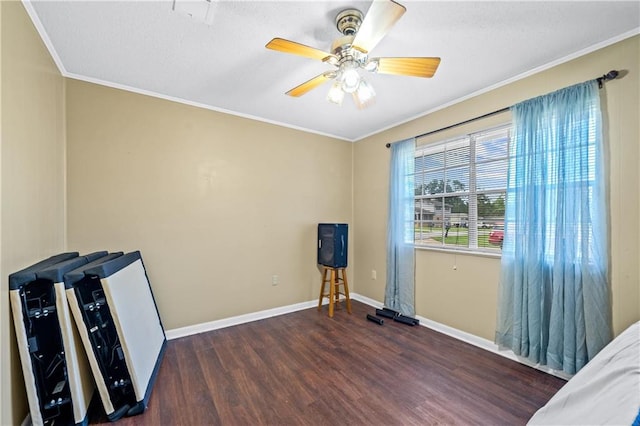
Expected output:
(374, 274)
(274, 280)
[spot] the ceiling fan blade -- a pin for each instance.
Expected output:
(310, 84)
(416, 67)
(288, 46)
(382, 15)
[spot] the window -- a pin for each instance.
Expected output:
(460, 187)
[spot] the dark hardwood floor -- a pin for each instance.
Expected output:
(305, 368)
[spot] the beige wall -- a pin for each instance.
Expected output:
(217, 204)
(32, 174)
(466, 298)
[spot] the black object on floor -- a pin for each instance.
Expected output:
(391, 311)
(397, 316)
(385, 313)
(406, 320)
(375, 319)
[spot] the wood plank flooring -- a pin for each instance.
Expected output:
(305, 368)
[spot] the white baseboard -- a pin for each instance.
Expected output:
(176, 333)
(488, 345)
(470, 338)
(240, 319)
(366, 300)
(425, 322)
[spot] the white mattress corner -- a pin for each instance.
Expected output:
(605, 392)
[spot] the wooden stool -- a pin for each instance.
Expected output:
(335, 277)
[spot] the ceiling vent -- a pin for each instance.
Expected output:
(198, 10)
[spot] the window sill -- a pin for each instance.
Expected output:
(461, 252)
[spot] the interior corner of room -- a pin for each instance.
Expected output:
(225, 208)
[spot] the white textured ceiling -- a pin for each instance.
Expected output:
(146, 47)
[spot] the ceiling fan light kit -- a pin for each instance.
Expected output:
(336, 94)
(364, 96)
(349, 77)
(350, 53)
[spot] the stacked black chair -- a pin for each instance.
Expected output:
(120, 329)
(84, 322)
(57, 379)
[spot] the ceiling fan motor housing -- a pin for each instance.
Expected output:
(348, 21)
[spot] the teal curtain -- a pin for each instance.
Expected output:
(554, 301)
(399, 291)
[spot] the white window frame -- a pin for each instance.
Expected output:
(471, 192)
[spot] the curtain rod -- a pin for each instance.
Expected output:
(608, 76)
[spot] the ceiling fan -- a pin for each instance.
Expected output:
(350, 53)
